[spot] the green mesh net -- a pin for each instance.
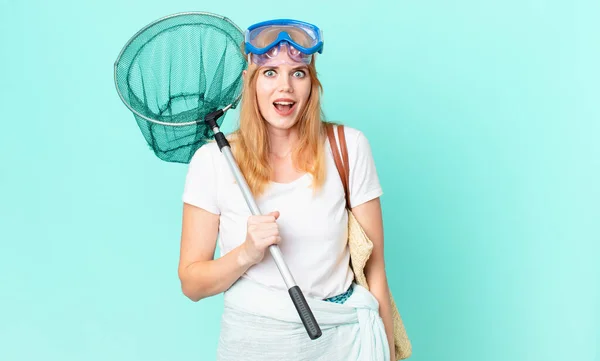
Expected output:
(175, 71)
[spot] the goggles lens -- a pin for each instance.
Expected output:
(272, 55)
(264, 36)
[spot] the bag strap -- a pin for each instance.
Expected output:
(344, 172)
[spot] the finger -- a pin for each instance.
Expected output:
(254, 228)
(266, 233)
(268, 226)
(271, 240)
(261, 219)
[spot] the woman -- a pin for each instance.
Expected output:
(283, 151)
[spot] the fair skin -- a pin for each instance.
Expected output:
(200, 274)
(282, 81)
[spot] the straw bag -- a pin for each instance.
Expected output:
(360, 244)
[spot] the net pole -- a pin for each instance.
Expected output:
(304, 311)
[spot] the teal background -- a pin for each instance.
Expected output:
(484, 122)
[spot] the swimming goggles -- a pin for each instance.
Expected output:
(264, 40)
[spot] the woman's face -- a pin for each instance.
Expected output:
(282, 88)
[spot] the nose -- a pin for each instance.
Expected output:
(285, 85)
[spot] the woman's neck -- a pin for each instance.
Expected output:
(282, 141)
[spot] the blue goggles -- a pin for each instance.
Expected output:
(262, 37)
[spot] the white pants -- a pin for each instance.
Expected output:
(260, 324)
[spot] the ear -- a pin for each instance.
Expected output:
(244, 74)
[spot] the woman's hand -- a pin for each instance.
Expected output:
(262, 231)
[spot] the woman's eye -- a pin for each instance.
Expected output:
(299, 74)
(269, 73)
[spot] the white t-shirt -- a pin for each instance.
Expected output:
(313, 228)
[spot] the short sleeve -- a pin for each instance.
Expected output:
(364, 181)
(200, 188)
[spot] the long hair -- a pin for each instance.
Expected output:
(250, 142)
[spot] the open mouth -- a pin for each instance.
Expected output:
(284, 108)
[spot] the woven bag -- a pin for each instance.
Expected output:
(359, 243)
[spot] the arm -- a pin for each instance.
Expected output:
(370, 218)
(199, 274)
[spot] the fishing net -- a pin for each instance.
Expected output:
(174, 72)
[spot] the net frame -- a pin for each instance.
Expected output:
(143, 30)
(161, 121)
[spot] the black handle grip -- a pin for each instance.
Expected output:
(306, 315)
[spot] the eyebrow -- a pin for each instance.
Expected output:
(302, 67)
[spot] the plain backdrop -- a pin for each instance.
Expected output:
(483, 120)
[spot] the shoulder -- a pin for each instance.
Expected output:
(352, 133)
(207, 153)
(356, 139)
